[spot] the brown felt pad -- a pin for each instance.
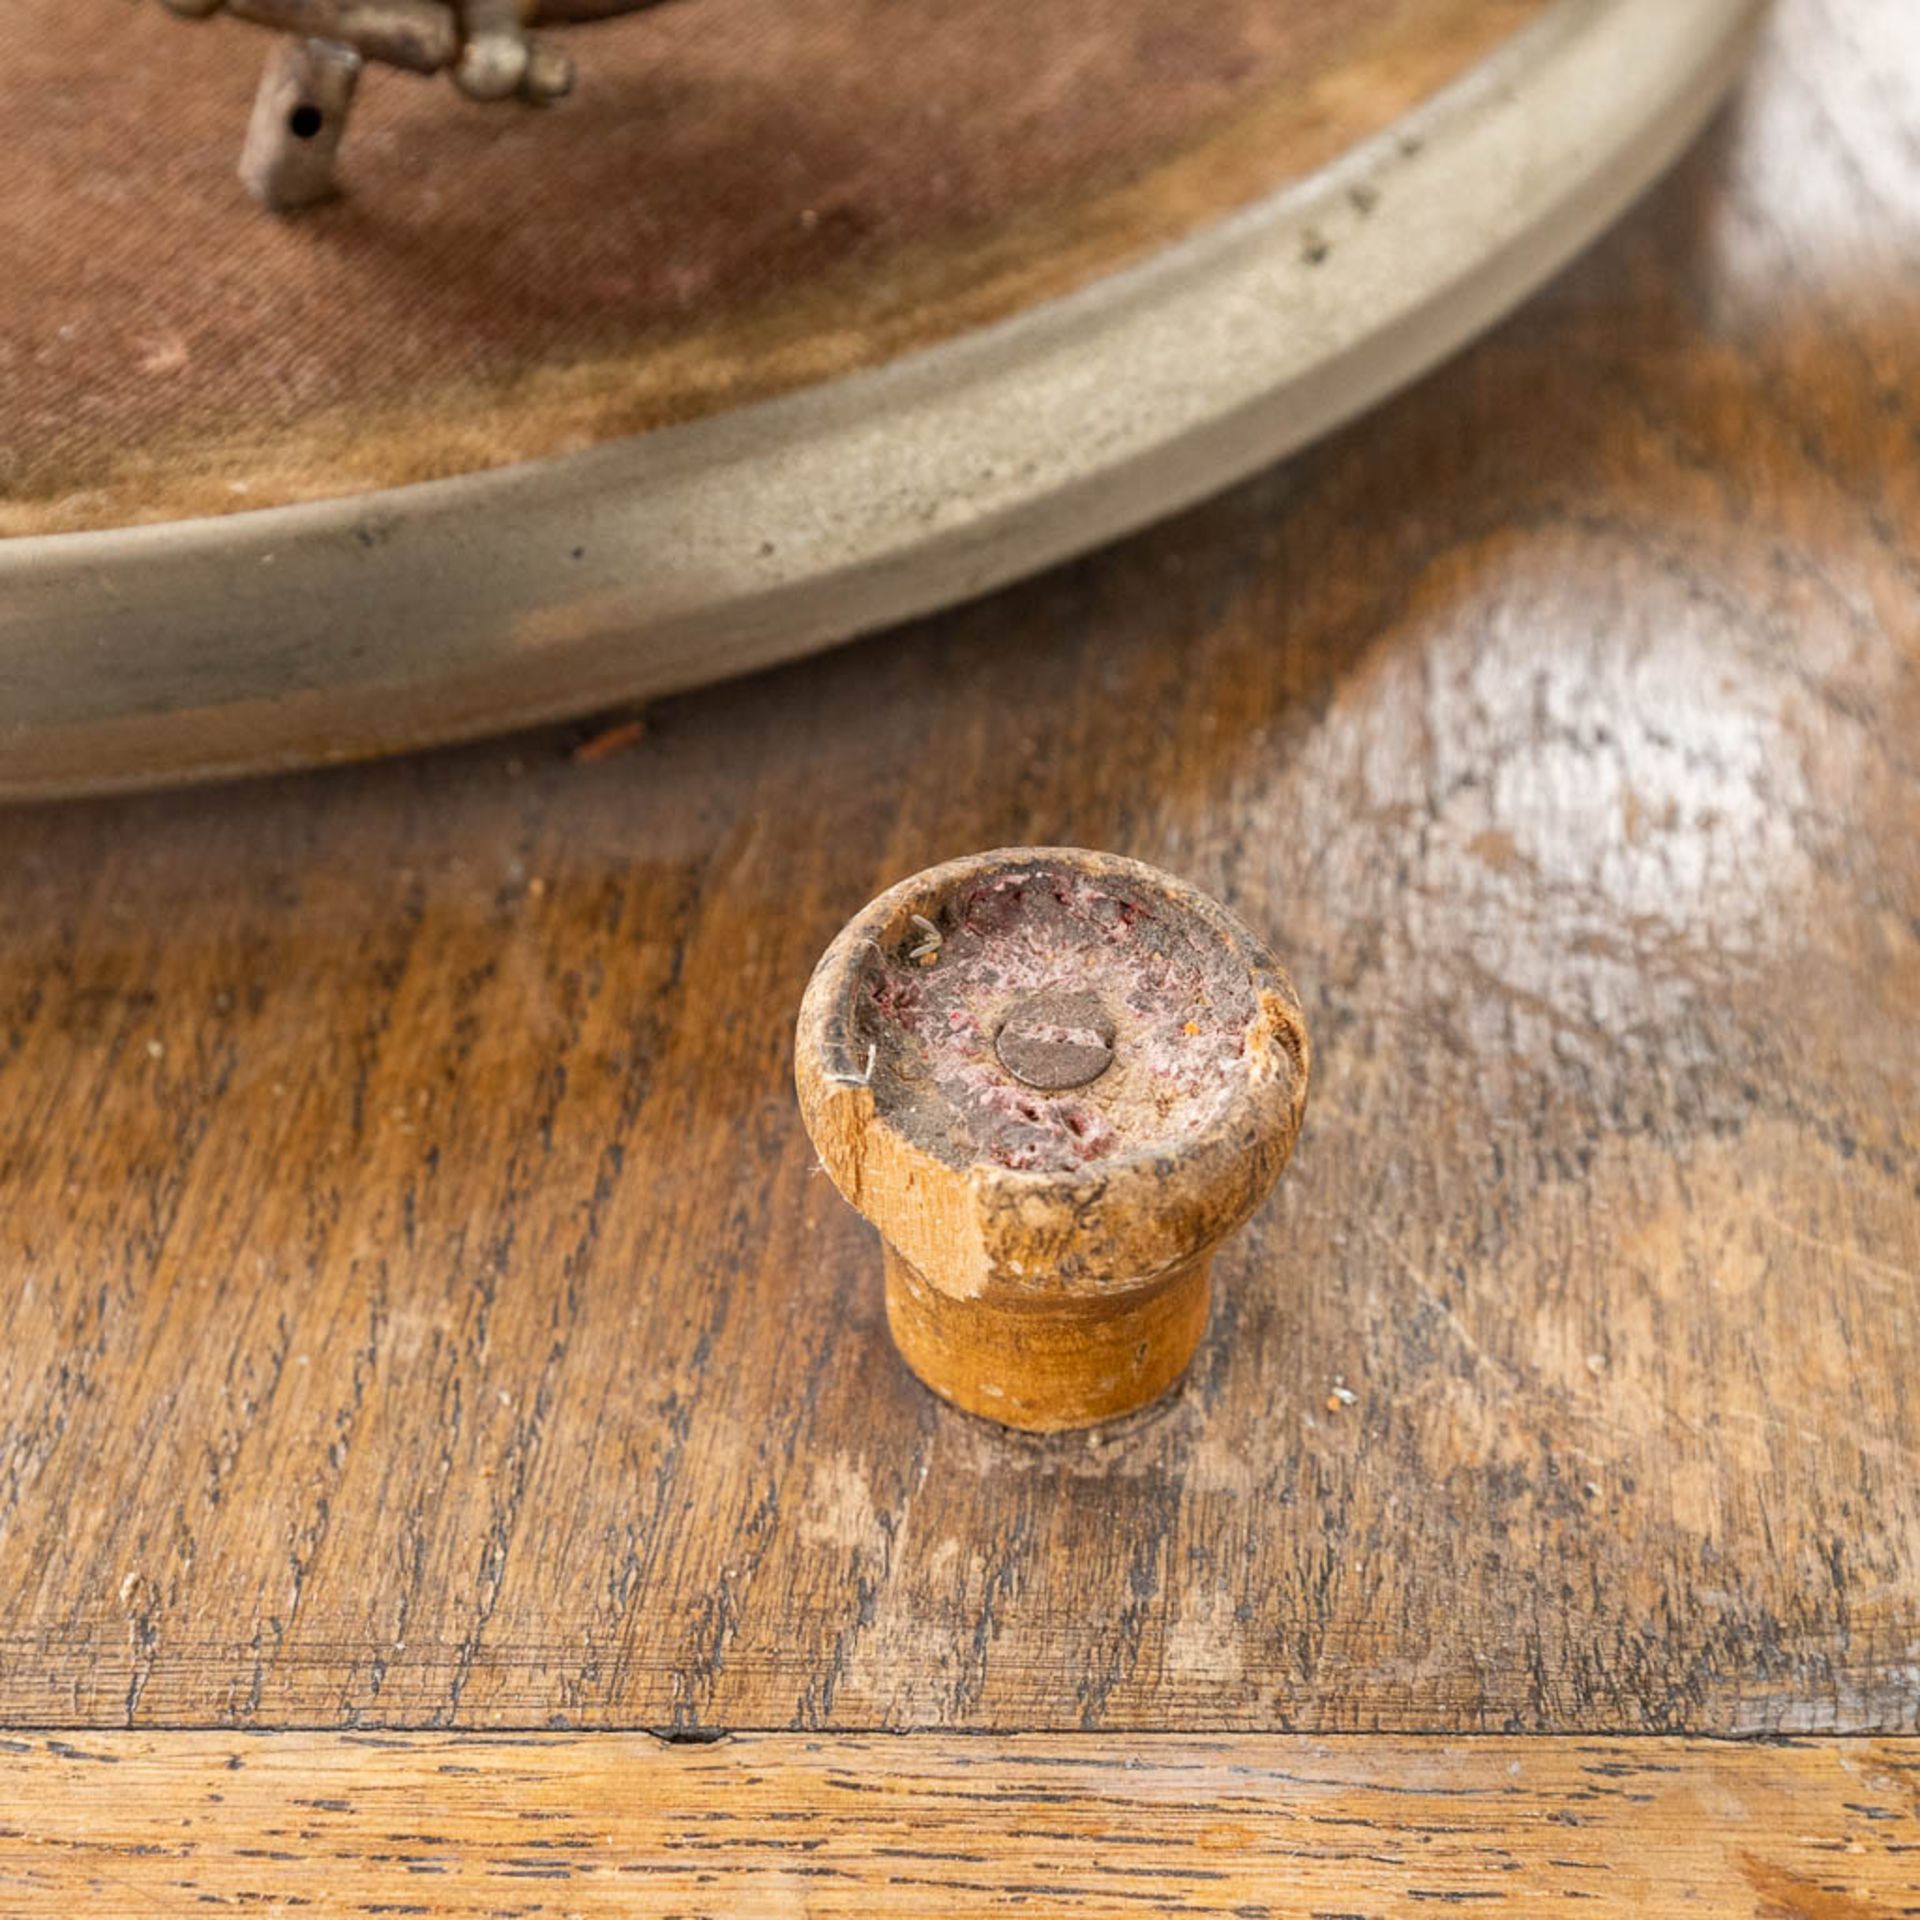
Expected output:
(743, 197)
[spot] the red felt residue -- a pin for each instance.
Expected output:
(934, 1003)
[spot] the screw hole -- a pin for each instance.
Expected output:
(305, 121)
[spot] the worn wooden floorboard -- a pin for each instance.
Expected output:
(418, 1306)
(464, 1825)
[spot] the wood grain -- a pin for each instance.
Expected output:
(449, 1825)
(418, 1305)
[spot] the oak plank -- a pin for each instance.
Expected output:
(466, 1825)
(418, 1306)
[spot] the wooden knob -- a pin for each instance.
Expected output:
(1054, 1080)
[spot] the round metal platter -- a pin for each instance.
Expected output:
(794, 324)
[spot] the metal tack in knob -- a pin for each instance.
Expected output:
(1054, 1080)
(1059, 1039)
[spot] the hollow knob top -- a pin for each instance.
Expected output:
(1053, 1079)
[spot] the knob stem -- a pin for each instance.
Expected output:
(1024, 1362)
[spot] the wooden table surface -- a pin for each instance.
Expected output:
(431, 1366)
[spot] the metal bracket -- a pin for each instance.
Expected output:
(306, 95)
(299, 120)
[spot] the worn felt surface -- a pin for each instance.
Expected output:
(742, 198)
